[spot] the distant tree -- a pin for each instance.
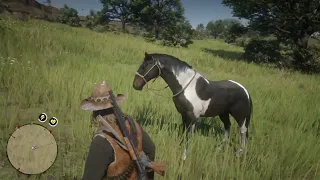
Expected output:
(215, 27)
(200, 32)
(290, 21)
(155, 15)
(92, 19)
(222, 27)
(69, 16)
(200, 27)
(48, 2)
(235, 30)
(92, 12)
(118, 9)
(179, 33)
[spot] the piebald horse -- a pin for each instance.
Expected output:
(195, 96)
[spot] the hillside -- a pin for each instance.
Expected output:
(49, 67)
(18, 9)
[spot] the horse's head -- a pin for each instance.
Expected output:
(149, 69)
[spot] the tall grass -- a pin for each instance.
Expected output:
(50, 68)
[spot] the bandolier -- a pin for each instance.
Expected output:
(123, 167)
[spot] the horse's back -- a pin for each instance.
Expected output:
(230, 88)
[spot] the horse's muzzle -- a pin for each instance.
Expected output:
(138, 83)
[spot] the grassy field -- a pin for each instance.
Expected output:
(50, 68)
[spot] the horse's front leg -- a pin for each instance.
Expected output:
(189, 121)
(190, 133)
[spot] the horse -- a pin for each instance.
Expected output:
(194, 96)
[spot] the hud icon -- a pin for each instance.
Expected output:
(53, 121)
(42, 117)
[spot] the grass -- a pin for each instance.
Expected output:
(50, 68)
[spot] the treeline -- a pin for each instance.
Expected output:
(278, 33)
(158, 20)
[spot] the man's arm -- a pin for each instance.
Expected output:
(99, 157)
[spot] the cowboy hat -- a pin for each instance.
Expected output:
(100, 98)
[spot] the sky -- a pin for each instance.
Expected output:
(196, 11)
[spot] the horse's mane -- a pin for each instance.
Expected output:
(170, 59)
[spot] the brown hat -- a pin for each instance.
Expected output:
(100, 98)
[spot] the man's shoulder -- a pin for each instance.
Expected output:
(101, 142)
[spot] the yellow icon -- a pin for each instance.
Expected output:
(43, 117)
(53, 122)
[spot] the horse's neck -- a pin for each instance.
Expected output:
(177, 80)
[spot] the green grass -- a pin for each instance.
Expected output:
(51, 67)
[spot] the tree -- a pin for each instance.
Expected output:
(179, 33)
(48, 2)
(93, 19)
(290, 21)
(155, 15)
(199, 33)
(215, 28)
(200, 27)
(220, 27)
(235, 30)
(69, 16)
(118, 9)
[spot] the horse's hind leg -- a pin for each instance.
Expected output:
(226, 122)
(241, 119)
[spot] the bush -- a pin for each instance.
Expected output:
(262, 51)
(178, 34)
(100, 28)
(242, 41)
(149, 37)
(69, 16)
(305, 60)
(198, 35)
(230, 38)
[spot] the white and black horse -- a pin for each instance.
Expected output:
(194, 96)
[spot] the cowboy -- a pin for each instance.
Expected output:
(108, 156)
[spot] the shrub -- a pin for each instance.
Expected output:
(305, 60)
(178, 34)
(262, 51)
(100, 28)
(69, 16)
(242, 41)
(149, 37)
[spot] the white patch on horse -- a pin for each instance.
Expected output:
(243, 128)
(245, 90)
(184, 77)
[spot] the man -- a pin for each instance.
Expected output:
(108, 157)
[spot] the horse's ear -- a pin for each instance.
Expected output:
(147, 56)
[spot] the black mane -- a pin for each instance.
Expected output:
(170, 61)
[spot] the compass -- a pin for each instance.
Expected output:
(32, 149)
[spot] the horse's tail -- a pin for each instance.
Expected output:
(249, 117)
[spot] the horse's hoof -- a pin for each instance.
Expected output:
(184, 156)
(239, 152)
